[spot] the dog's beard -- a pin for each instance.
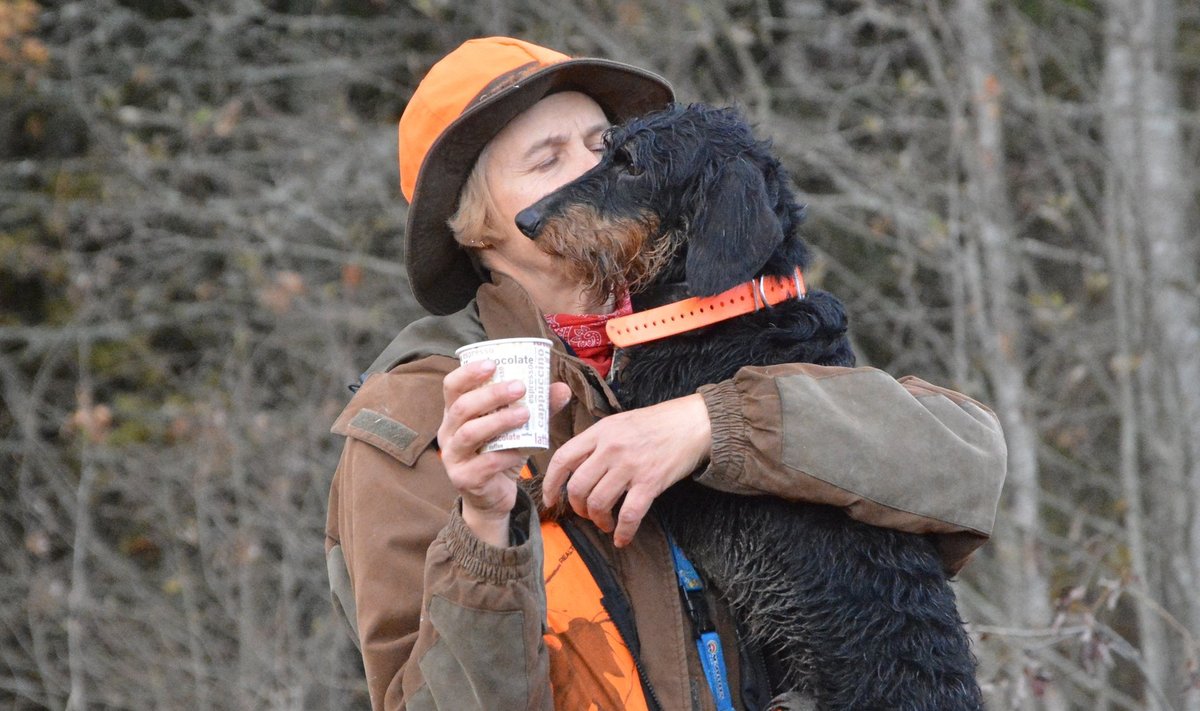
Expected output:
(606, 256)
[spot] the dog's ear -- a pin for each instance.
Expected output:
(734, 232)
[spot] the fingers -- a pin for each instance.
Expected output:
(476, 411)
(564, 461)
(637, 454)
(466, 378)
(480, 401)
(593, 490)
(594, 485)
(633, 510)
(474, 433)
(600, 502)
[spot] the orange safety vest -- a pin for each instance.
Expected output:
(591, 668)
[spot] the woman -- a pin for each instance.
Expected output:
(460, 595)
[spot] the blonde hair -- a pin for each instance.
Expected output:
(473, 221)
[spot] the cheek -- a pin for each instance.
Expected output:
(579, 163)
(517, 195)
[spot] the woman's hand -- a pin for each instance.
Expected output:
(637, 454)
(476, 412)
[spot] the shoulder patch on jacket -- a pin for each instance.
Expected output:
(397, 433)
(392, 436)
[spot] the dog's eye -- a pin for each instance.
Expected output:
(623, 158)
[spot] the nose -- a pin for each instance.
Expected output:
(579, 159)
(588, 159)
(529, 221)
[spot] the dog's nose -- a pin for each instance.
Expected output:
(529, 221)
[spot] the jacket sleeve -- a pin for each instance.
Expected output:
(443, 620)
(480, 642)
(901, 454)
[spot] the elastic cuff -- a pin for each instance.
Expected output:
(483, 560)
(730, 437)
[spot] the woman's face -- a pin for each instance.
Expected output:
(555, 141)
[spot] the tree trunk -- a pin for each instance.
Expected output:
(1144, 140)
(1126, 269)
(998, 325)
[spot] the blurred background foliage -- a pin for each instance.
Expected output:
(200, 247)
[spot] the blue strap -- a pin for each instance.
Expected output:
(685, 572)
(708, 644)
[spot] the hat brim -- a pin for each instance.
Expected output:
(440, 272)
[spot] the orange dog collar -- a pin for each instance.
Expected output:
(697, 312)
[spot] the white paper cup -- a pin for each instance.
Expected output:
(527, 360)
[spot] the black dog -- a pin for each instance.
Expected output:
(686, 202)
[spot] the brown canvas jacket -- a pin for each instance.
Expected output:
(446, 621)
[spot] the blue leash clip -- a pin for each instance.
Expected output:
(708, 644)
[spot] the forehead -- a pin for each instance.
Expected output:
(562, 113)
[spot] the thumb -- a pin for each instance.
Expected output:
(560, 395)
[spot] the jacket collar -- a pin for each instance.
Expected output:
(501, 309)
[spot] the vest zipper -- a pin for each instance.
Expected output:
(651, 697)
(614, 602)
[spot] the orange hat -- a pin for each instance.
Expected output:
(460, 105)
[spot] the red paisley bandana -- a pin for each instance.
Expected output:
(585, 334)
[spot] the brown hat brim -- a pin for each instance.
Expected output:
(439, 270)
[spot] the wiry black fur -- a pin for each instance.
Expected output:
(862, 617)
